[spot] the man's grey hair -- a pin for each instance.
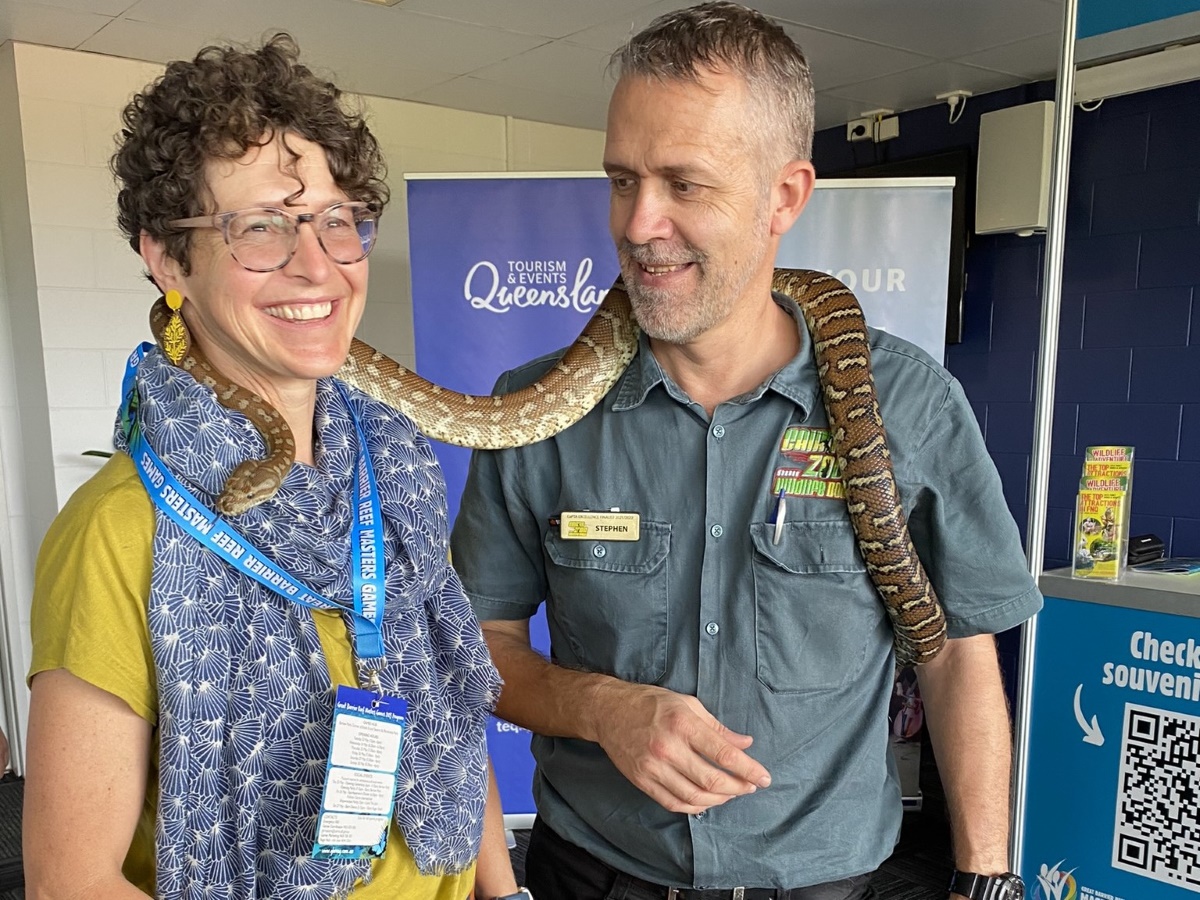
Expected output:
(728, 37)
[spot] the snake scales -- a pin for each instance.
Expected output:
(584, 374)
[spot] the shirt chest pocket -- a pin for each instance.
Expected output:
(816, 610)
(609, 602)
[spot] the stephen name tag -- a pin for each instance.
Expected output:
(599, 526)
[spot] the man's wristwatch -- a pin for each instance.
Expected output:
(521, 894)
(988, 887)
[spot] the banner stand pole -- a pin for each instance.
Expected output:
(1039, 480)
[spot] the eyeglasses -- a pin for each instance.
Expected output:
(263, 239)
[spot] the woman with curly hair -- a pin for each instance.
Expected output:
(290, 699)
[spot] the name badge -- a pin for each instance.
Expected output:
(599, 526)
(360, 777)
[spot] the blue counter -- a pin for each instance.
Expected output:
(1113, 772)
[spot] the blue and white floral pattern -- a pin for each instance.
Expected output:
(245, 701)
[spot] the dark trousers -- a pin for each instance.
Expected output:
(555, 869)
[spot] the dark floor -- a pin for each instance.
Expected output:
(12, 879)
(921, 866)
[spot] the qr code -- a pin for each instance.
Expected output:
(1157, 833)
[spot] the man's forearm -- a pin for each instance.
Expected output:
(972, 740)
(667, 744)
(545, 698)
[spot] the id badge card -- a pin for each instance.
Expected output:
(360, 777)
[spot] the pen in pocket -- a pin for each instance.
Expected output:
(780, 515)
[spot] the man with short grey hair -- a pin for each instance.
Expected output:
(713, 722)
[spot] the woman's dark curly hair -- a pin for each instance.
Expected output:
(218, 106)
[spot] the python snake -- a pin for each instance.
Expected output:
(584, 374)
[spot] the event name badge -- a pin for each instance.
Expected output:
(601, 526)
(360, 778)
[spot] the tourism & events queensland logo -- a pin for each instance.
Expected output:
(1053, 884)
(526, 283)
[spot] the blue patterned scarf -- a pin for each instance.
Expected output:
(245, 701)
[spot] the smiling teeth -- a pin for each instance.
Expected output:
(661, 270)
(301, 313)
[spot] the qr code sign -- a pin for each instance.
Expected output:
(1157, 833)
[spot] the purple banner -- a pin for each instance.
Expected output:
(503, 270)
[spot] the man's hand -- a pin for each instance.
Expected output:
(667, 744)
(672, 748)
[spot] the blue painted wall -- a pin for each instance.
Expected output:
(1129, 352)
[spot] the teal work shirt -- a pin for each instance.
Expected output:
(784, 641)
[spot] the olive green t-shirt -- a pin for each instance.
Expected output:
(92, 587)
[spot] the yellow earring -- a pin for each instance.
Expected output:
(175, 338)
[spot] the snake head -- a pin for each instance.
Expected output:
(253, 482)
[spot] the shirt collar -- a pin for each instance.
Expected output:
(640, 376)
(797, 380)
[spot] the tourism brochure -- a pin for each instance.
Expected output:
(1102, 513)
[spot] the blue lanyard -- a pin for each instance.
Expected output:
(189, 513)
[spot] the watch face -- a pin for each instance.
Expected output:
(1010, 887)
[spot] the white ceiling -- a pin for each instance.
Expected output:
(545, 59)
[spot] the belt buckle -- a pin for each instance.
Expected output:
(737, 893)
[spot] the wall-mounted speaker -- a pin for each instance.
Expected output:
(1012, 180)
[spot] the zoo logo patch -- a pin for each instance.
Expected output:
(813, 472)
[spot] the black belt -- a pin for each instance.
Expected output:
(737, 893)
(564, 853)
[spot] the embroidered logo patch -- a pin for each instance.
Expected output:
(814, 473)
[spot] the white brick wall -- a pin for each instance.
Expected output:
(91, 299)
(538, 147)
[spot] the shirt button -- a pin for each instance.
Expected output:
(719, 431)
(716, 531)
(598, 551)
(712, 628)
(698, 815)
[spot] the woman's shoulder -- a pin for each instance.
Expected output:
(91, 586)
(114, 496)
(108, 520)
(116, 479)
